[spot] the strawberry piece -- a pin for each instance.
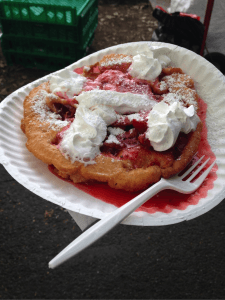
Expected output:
(132, 133)
(113, 77)
(131, 141)
(144, 141)
(135, 86)
(79, 70)
(142, 157)
(72, 101)
(65, 111)
(129, 153)
(122, 122)
(64, 96)
(59, 135)
(111, 148)
(141, 123)
(91, 85)
(109, 87)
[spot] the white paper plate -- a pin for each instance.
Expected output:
(35, 176)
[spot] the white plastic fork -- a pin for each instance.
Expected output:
(103, 226)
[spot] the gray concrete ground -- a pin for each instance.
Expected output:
(182, 261)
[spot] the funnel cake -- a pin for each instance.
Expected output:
(126, 158)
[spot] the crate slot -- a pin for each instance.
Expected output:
(51, 32)
(67, 12)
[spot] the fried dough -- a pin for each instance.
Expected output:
(43, 127)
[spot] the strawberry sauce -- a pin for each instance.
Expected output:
(165, 201)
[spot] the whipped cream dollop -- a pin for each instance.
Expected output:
(165, 122)
(148, 64)
(121, 102)
(82, 140)
(72, 84)
(97, 109)
(161, 55)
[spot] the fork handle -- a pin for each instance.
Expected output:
(99, 229)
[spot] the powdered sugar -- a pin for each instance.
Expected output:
(135, 116)
(116, 130)
(182, 86)
(44, 113)
(187, 96)
(112, 140)
(116, 60)
(163, 85)
(170, 98)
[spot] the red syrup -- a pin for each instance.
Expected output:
(165, 201)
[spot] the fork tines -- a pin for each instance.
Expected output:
(197, 171)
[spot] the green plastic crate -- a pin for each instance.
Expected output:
(44, 47)
(62, 12)
(87, 13)
(36, 61)
(43, 61)
(63, 33)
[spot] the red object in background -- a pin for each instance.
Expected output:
(160, 7)
(206, 23)
(208, 14)
(193, 16)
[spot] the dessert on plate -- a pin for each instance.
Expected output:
(127, 120)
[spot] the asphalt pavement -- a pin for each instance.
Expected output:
(181, 261)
